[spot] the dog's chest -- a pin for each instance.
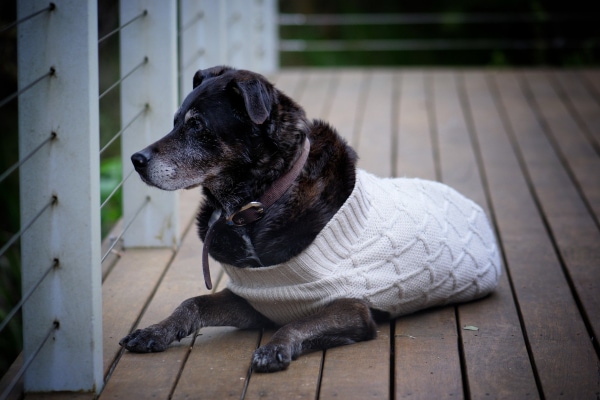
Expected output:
(233, 245)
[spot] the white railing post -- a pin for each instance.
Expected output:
(251, 41)
(68, 169)
(200, 41)
(239, 33)
(265, 30)
(153, 213)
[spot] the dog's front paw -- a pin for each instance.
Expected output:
(271, 358)
(149, 340)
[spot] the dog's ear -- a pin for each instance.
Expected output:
(257, 99)
(202, 74)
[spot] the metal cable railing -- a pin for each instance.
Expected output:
(117, 83)
(17, 236)
(55, 264)
(52, 201)
(16, 165)
(51, 72)
(116, 240)
(51, 6)
(15, 380)
(28, 294)
(120, 133)
(117, 30)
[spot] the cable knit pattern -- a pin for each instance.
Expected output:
(401, 244)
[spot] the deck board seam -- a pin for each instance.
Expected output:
(529, 96)
(507, 127)
(576, 115)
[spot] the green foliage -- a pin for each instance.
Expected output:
(110, 176)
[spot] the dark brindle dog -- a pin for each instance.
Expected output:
(246, 143)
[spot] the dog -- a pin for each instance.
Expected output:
(313, 246)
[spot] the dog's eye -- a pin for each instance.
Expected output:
(193, 123)
(198, 129)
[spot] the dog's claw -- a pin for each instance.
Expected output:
(182, 333)
(271, 358)
(149, 340)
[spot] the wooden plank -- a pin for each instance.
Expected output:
(218, 365)
(586, 106)
(569, 217)
(115, 253)
(415, 157)
(496, 316)
(358, 371)
(154, 375)
(374, 144)
(347, 103)
(299, 381)
(591, 81)
(188, 206)
(427, 362)
(565, 361)
(290, 81)
(317, 93)
(567, 137)
(123, 301)
(458, 165)
(458, 169)
(17, 391)
(505, 371)
(363, 370)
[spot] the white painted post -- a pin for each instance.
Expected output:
(239, 33)
(152, 212)
(68, 168)
(252, 35)
(196, 44)
(266, 36)
(251, 42)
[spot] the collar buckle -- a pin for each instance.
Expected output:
(249, 213)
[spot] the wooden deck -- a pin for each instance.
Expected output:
(524, 144)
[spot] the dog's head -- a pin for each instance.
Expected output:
(229, 125)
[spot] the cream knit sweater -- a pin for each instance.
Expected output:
(401, 245)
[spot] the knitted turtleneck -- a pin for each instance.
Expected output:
(401, 245)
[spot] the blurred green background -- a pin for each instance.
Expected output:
(571, 42)
(557, 33)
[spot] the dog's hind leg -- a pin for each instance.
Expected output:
(342, 322)
(219, 309)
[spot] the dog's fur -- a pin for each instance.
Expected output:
(235, 134)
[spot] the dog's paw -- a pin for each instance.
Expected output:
(149, 340)
(271, 358)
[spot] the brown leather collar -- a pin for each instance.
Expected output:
(254, 210)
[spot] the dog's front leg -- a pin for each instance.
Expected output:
(342, 322)
(219, 309)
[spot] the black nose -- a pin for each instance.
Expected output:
(139, 160)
